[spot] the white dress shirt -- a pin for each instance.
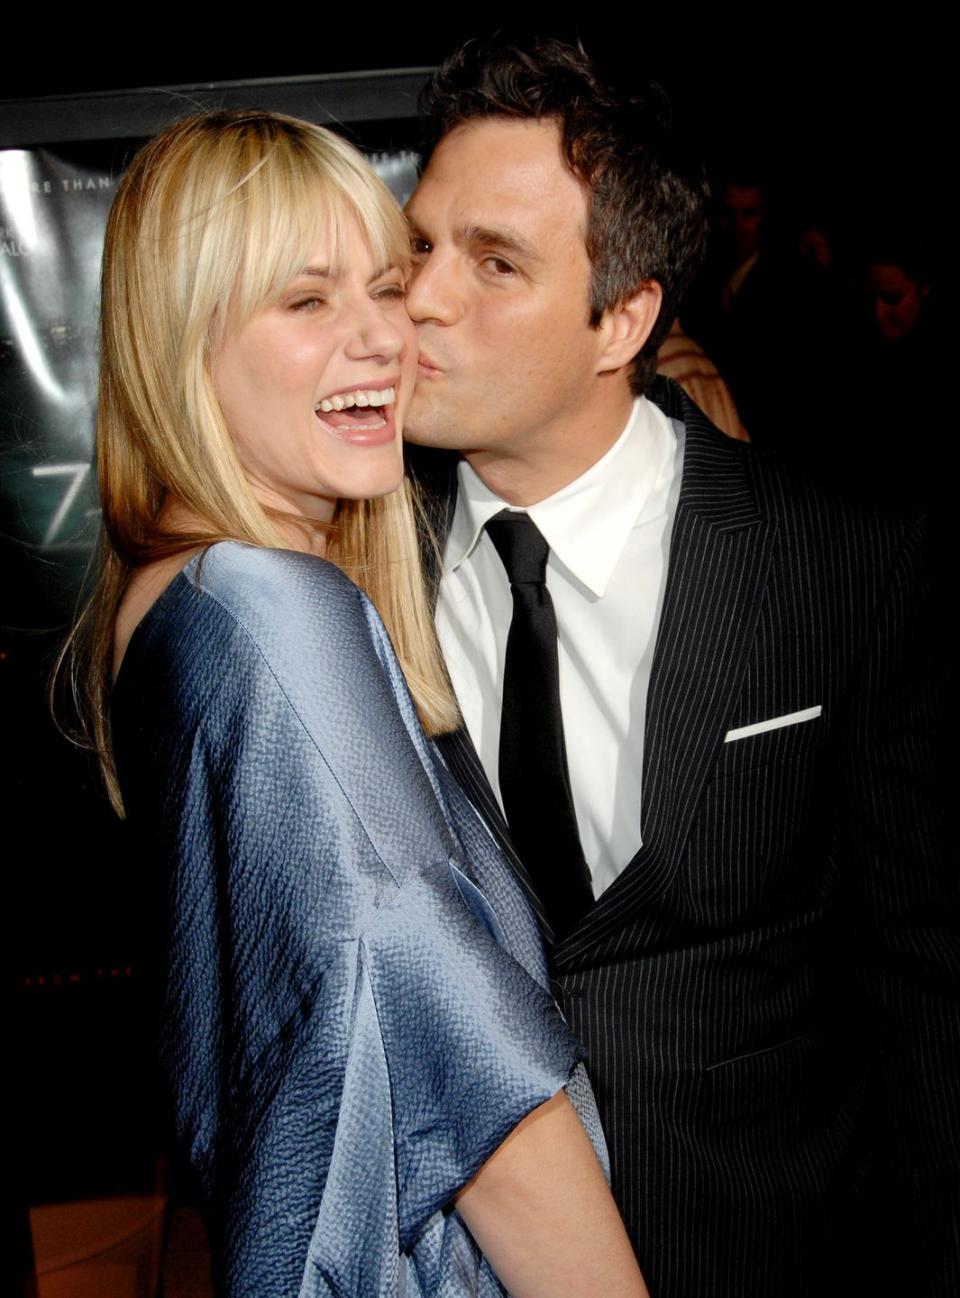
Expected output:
(608, 533)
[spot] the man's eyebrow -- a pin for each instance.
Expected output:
(504, 239)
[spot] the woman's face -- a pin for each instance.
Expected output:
(315, 385)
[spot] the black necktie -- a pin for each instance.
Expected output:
(534, 780)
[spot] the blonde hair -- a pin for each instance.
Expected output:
(216, 214)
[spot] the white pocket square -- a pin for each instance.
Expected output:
(773, 723)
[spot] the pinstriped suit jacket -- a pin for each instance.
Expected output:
(770, 992)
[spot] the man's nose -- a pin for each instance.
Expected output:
(434, 293)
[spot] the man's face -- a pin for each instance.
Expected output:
(500, 294)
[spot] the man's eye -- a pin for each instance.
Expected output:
(421, 247)
(497, 266)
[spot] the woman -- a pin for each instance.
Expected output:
(357, 1022)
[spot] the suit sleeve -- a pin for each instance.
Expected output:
(895, 827)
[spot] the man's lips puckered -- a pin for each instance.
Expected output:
(426, 366)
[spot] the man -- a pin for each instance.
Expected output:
(720, 801)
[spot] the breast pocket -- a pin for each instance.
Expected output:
(761, 1084)
(756, 849)
(751, 743)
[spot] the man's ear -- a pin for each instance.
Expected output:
(625, 328)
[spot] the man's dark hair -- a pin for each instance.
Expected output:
(646, 217)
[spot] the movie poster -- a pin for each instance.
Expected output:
(81, 928)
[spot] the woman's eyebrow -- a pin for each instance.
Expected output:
(335, 273)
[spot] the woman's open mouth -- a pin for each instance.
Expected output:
(362, 415)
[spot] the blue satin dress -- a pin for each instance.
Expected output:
(357, 1010)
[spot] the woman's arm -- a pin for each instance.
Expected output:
(540, 1210)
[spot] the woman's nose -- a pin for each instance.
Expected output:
(379, 333)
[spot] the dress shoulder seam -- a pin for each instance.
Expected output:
(251, 637)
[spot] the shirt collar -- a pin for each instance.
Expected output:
(587, 522)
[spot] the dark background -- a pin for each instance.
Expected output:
(843, 121)
(829, 101)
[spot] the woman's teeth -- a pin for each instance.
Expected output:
(362, 397)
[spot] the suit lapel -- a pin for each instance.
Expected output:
(435, 475)
(464, 763)
(720, 551)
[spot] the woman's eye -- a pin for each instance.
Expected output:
(310, 303)
(392, 292)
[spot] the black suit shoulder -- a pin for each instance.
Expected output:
(847, 544)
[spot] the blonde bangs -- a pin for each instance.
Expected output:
(300, 197)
